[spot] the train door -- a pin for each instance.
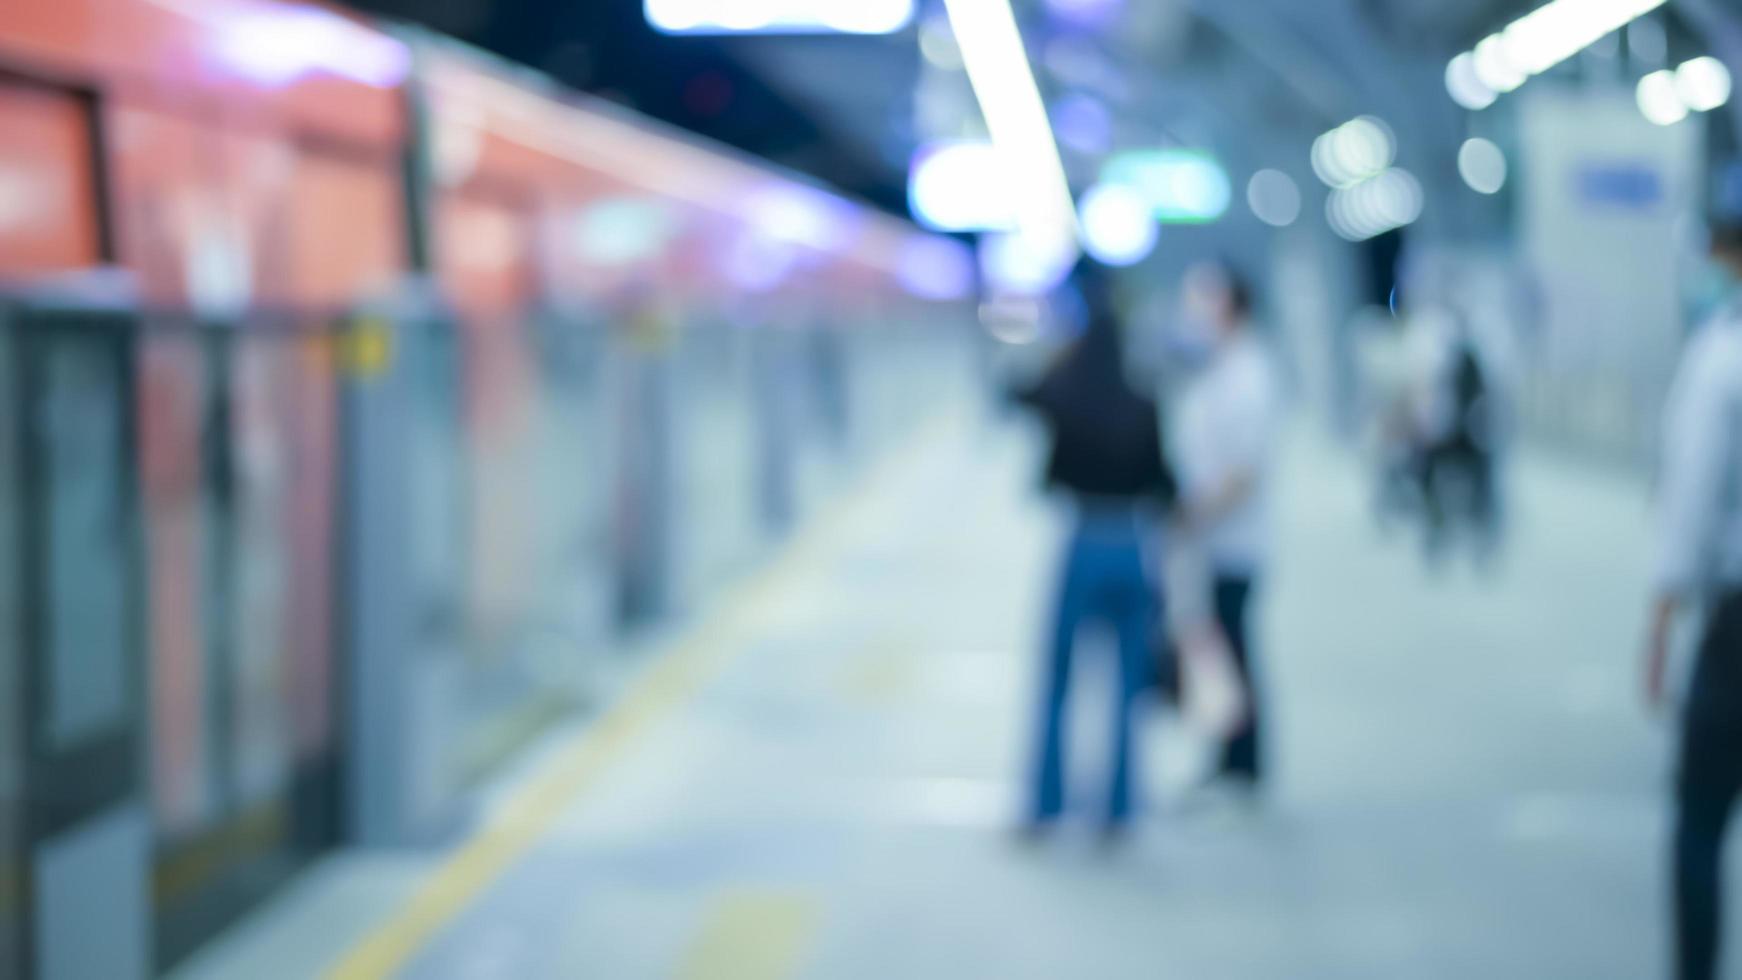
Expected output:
(240, 459)
(83, 830)
(12, 852)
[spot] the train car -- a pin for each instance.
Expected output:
(627, 297)
(241, 163)
(641, 358)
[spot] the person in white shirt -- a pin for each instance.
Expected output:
(1226, 421)
(1700, 562)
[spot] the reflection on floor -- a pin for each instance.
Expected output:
(819, 781)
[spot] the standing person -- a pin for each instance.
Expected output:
(1106, 458)
(1461, 453)
(1225, 436)
(1700, 560)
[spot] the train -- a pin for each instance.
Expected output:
(275, 278)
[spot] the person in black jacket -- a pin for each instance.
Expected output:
(1106, 457)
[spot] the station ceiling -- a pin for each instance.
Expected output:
(1253, 79)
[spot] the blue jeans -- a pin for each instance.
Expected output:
(1106, 580)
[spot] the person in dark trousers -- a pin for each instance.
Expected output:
(1106, 457)
(1227, 417)
(1700, 560)
(1462, 458)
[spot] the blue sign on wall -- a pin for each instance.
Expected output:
(1635, 186)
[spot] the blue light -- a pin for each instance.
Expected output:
(935, 268)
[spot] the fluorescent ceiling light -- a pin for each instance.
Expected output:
(779, 16)
(998, 68)
(1495, 68)
(1465, 84)
(1536, 42)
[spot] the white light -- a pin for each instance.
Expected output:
(1118, 228)
(1022, 264)
(744, 15)
(799, 215)
(1482, 166)
(866, 16)
(1353, 152)
(778, 16)
(997, 64)
(1703, 84)
(1658, 99)
(278, 45)
(962, 187)
(1494, 68)
(1366, 145)
(676, 16)
(1391, 200)
(1274, 198)
(1466, 87)
(1536, 42)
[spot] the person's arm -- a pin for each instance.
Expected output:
(1690, 492)
(1246, 439)
(1657, 644)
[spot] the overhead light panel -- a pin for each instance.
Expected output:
(1016, 117)
(778, 16)
(1536, 42)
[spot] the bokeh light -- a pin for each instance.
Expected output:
(1274, 198)
(1118, 228)
(1704, 84)
(1659, 100)
(1482, 165)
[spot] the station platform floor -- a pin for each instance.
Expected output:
(818, 778)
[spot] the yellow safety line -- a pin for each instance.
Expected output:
(532, 811)
(750, 936)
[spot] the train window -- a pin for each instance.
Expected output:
(48, 204)
(348, 234)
